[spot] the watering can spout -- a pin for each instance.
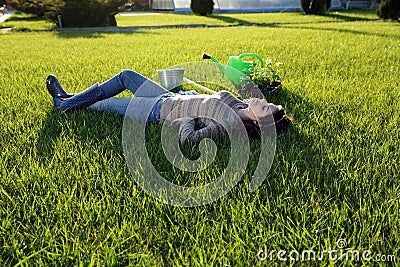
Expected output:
(220, 66)
(205, 56)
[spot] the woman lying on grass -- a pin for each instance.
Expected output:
(100, 97)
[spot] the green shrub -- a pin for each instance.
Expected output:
(389, 9)
(39, 8)
(99, 13)
(74, 13)
(202, 7)
(315, 6)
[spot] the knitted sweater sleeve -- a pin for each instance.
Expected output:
(193, 130)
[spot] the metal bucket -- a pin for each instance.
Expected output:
(171, 78)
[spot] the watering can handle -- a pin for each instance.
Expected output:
(253, 55)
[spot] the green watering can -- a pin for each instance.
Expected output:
(236, 67)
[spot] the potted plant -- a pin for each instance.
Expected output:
(267, 78)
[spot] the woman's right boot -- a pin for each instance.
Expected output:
(79, 101)
(55, 88)
(83, 99)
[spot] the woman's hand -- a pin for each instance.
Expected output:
(176, 121)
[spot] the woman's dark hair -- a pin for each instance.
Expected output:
(254, 132)
(252, 129)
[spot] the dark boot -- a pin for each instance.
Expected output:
(55, 89)
(79, 101)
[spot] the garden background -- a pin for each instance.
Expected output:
(67, 197)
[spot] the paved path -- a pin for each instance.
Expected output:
(136, 28)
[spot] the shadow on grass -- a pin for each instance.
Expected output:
(355, 32)
(93, 33)
(338, 16)
(229, 19)
(299, 155)
(346, 18)
(79, 128)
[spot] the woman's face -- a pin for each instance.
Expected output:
(261, 108)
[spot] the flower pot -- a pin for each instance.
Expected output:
(268, 88)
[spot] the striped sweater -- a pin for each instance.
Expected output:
(201, 114)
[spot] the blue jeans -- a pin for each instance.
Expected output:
(131, 80)
(119, 105)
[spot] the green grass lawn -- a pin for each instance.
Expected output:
(67, 197)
